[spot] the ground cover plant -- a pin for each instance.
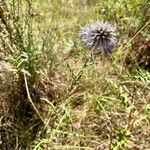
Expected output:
(57, 92)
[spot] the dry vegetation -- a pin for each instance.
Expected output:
(55, 94)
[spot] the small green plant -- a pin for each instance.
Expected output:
(122, 139)
(141, 75)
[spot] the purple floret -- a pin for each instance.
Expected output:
(99, 35)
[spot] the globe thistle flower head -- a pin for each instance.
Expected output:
(99, 35)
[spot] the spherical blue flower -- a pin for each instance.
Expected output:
(99, 35)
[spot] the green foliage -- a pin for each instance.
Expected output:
(141, 75)
(122, 138)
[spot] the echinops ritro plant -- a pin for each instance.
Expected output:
(99, 35)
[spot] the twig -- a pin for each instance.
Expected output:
(126, 52)
(30, 99)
